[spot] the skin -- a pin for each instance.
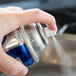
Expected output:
(12, 18)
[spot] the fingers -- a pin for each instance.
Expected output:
(36, 15)
(10, 65)
(7, 20)
(31, 16)
(12, 8)
(11, 20)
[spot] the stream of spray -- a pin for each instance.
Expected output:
(64, 59)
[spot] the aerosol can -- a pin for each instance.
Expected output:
(25, 43)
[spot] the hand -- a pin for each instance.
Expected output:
(10, 19)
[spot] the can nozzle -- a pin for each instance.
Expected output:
(49, 32)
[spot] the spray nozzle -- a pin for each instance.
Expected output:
(49, 32)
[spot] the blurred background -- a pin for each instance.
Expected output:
(63, 10)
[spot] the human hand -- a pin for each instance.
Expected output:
(10, 19)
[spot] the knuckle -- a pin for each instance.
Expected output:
(18, 8)
(37, 11)
(15, 8)
(11, 7)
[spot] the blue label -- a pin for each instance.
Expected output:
(21, 54)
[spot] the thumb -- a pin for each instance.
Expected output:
(11, 66)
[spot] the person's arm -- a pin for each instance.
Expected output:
(10, 19)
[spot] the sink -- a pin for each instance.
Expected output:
(49, 63)
(44, 69)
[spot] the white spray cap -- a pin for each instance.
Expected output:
(49, 32)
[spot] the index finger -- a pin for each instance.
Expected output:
(15, 19)
(36, 15)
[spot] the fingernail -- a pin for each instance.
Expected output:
(23, 71)
(54, 28)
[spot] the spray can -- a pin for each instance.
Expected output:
(25, 43)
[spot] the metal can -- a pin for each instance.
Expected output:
(25, 43)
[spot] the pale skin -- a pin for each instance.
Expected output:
(12, 18)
